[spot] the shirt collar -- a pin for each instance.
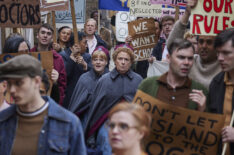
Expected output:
(163, 79)
(114, 74)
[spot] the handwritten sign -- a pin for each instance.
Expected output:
(46, 59)
(176, 130)
(169, 2)
(211, 17)
(170, 12)
(144, 38)
(20, 13)
(53, 5)
(66, 17)
(143, 8)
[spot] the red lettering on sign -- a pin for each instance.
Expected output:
(216, 25)
(206, 26)
(196, 19)
(209, 7)
(228, 6)
(225, 25)
(216, 8)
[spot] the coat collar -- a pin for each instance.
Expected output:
(114, 74)
(54, 111)
(95, 76)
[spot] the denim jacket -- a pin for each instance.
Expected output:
(61, 132)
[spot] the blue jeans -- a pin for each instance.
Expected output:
(102, 141)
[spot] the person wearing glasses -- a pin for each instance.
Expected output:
(128, 126)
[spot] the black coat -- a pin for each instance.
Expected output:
(216, 100)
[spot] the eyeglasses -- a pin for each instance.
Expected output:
(122, 127)
(208, 41)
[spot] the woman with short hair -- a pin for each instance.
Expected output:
(82, 94)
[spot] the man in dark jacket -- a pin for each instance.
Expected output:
(58, 74)
(221, 94)
(35, 125)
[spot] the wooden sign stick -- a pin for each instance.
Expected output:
(225, 144)
(54, 27)
(76, 41)
(177, 9)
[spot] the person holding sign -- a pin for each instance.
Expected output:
(174, 87)
(77, 61)
(35, 124)
(58, 75)
(114, 87)
(64, 39)
(128, 125)
(221, 88)
(84, 88)
(205, 65)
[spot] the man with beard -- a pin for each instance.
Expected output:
(175, 87)
(205, 65)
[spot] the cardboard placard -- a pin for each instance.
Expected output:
(54, 5)
(143, 37)
(20, 13)
(46, 59)
(143, 8)
(176, 130)
(169, 2)
(210, 17)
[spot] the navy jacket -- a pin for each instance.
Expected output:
(216, 98)
(74, 71)
(111, 89)
(158, 49)
(61, 132)
(81, 97)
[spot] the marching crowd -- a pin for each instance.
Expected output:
(88, 110)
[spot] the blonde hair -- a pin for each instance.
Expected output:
(99, 53)
(188, 35)
(91, 19)
(126, 50)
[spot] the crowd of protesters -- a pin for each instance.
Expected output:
(89, 109)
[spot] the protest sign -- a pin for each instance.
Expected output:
(53, 5)
(170, 12)
(157, 68)
(143, 37)
(143, 8)
(169, 2)
(176, 130)
(210, 17)
(121, 24)
(20, 13)
(66, 16)
(46, 59)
